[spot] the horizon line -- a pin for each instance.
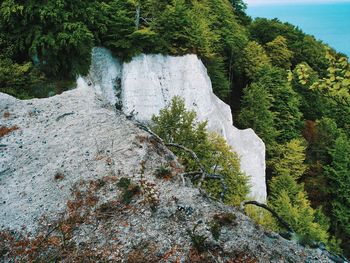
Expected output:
(291, 2)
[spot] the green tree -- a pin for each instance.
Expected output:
(336, 85)
(53, 33)
(312, 103)
(256, 112)
(177, 125)
(305, 48)
(254, 58)
(289, 200)
(15, 78)
(230, 38)
(114, 24)
(278, 52)
(240, 7)
(290, 159)
(224, 161)
(327, 96)
(326, 133)
(286, 102)
(338, 173)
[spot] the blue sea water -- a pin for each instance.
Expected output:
(327, 22)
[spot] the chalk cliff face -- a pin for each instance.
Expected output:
(147, 84)
(61, 160)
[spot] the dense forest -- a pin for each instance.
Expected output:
(292, 89)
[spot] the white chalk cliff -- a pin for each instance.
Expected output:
(147, 84)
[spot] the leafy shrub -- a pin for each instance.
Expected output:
(177, 125)
(163, 172)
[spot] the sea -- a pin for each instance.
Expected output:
(327, 22)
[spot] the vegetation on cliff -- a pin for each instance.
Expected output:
(292, 89)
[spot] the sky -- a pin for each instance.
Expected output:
(266, 2)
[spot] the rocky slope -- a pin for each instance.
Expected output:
(70, 158)
(147, 84)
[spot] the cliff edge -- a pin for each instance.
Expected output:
(79, 183)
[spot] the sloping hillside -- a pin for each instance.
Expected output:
(88, 183)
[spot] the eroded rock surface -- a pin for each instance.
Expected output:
(60, 140)
(63, 141)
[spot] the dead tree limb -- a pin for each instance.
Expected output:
(193, 174)
(148, 130)
(193, 154)
(274, 213)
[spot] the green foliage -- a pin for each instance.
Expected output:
(53, 33)
(58, 36)
(15, 77)
(256, 112)
(278, 52)
(239, 7)
(163, 172)
(305, 48)
(129, 190)
(289, 159)
(177, 125)
(336, 85)
(216, 70)
(327, 96)
(312, 103)
(222, 160)
(262, 217)
(253, 59)
(338, 174)
(289, 200)
(326, 133)
(113, 24)
(286, 102)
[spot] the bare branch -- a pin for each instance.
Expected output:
(274, 213)
(194, 155)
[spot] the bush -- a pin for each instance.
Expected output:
(177, 125)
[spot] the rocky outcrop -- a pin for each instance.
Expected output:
(147, 84)
(64, 161)
(60, 141)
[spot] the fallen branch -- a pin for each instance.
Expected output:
(274, 213)
(148, 130)
(194, 155)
